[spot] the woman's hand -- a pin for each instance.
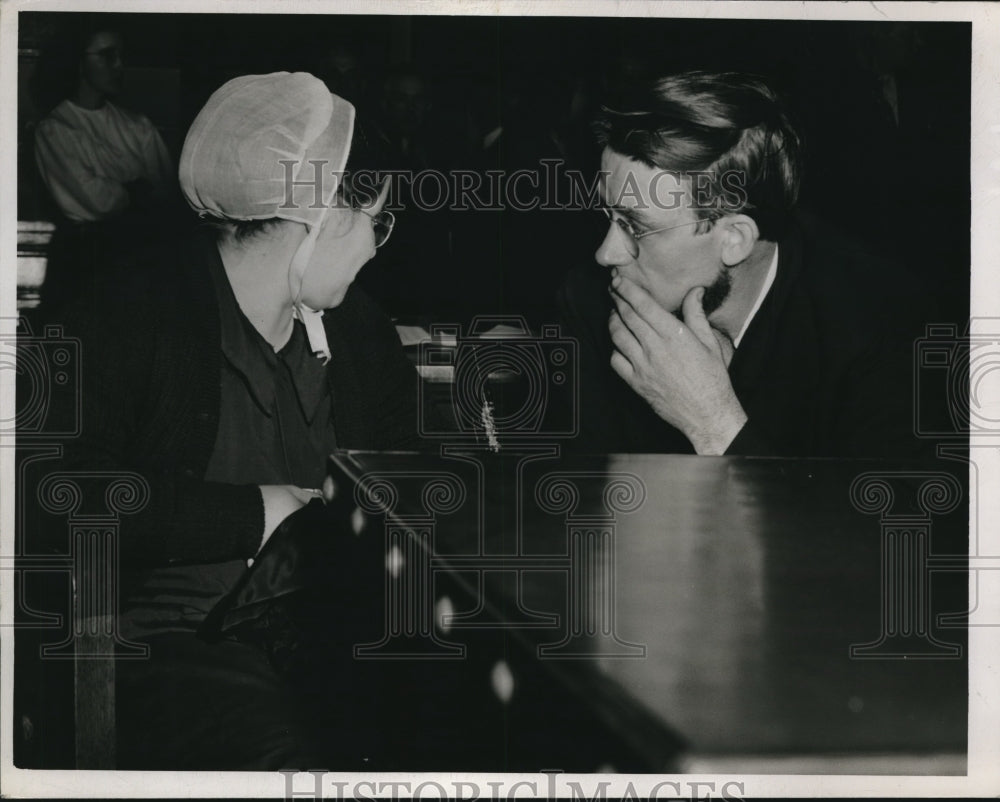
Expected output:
(280, 501)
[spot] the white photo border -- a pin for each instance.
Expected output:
(983, 778)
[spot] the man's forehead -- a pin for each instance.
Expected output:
(628, 183)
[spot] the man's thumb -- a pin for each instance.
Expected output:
(694, 317)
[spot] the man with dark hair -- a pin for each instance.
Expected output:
(732, 324)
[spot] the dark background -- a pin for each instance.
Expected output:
(897, 178)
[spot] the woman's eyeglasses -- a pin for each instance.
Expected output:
(382, 224)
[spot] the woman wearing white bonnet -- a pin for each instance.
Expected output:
(224, 374)
(274, 148)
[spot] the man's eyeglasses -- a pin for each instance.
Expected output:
(634, 234)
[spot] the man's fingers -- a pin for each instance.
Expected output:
(622, 367)
(694, 318)
(624, 339)
(628, 294)
(642, 330)
(726, 348)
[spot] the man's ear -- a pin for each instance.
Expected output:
(739, 235)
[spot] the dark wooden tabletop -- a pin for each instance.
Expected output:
(764, 607)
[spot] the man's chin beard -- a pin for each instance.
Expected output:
(717, 292)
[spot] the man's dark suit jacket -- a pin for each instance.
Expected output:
(824, 369)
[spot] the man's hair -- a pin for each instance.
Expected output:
(729, 127)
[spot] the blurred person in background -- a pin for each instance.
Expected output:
(105, 167)
(339, 67)
(417, 274)
(517, 250)
(404, 137)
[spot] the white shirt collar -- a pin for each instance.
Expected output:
(772, 271)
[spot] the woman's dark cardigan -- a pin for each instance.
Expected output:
(150, 367)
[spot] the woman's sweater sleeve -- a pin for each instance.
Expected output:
(126, 426)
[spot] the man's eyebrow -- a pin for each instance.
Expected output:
(636, 214)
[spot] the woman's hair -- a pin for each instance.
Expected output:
(727, 132)
(58, 73)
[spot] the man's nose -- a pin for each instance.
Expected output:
(613, 251)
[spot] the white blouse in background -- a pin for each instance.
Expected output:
(87, 156)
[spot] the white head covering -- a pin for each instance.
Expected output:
(267, 146)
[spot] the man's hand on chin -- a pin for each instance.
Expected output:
(678, 365)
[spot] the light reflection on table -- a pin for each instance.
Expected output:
(746, 582)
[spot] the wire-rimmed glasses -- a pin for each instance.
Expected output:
(382, 223)
(633, 235)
